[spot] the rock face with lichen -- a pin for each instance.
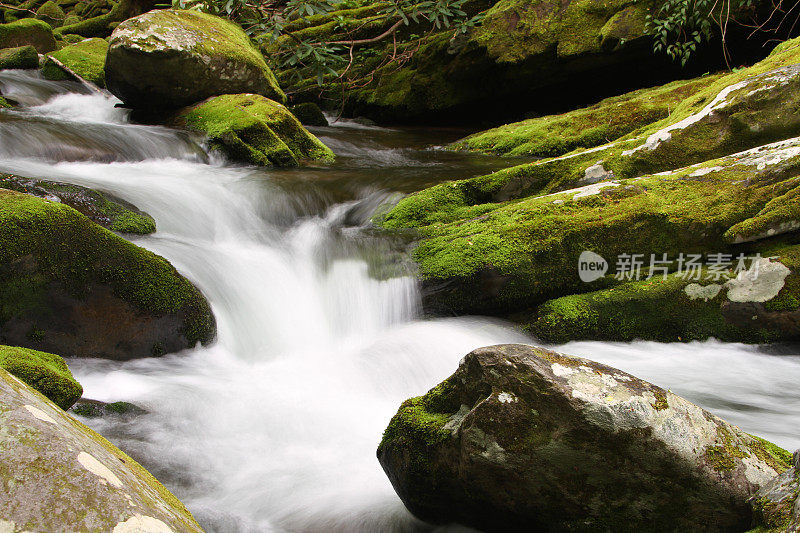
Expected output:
(523, 439)
(71, 287)
(253, 129)
(719, 175)
(173, 58)
(59, 475)
(777, 505)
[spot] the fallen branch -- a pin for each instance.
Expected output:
(89, 85)
(380, 37)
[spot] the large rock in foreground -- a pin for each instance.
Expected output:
(173, 58)
(59, 475)
(71, 287)
(254, 129)
(524, 439)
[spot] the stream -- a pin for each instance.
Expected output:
(274, 427)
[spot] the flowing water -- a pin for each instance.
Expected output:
(275, 426)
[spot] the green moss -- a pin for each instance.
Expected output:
(22, 57)
(309, 114)
(4, 103)
(36, 33)
(67, 248)
(585, 128)
(101, 208)
(661, 402)
(772, 454)
(86, 59)
(254, 129)
(413, 422)
(725, 456)
(45, 372)
(51, 13)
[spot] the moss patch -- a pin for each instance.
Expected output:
(254, 129)
(86, 58)
(45, 372)
(22, 57)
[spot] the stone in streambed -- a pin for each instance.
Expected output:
(59, 475)
(525, 439)
(71, 287)
(24, 32)
(253, 129)
(309, 114)
(21, 57)
(173, 58)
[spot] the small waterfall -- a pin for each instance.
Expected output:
(274, 428)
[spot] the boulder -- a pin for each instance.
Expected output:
(45, 372)
(88, 408)
(253, 129)
(71, 287)
(51, 13)
(777, 506)
(86, 58)
(23, 57)
(24, 32)
(101, 208)
(309, 114)
(525, 439)
(59, 475)
(507, 242)
(173, 58)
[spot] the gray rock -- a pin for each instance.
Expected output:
(525, 439)
(58, 475)
(172, 58)
(777, 506)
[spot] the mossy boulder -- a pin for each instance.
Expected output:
(525, 439)
(96, 409)
(610, 119)
(760, 304)
(253, 129)
(51, 13)
(85, 58)
(777, 506)
(309, 114)
(71, 287)
(22, 57)
(60, 475)
(101, 208)
(36, 33)
(45, 372)
(174, 58)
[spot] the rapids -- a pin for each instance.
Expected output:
(275, 426)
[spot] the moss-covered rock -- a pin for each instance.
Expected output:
(174, 58)
(587, 127)
(777, 506)
(24, 57)
(101, 208)
(71, 287)
(525, 439)
(254, 129)
(25, 32)
(98, 18)
(45, 372)
(682, 308)
(309, 114)
(51, 13)
(86, 59)
(58, 475)
(96, 409)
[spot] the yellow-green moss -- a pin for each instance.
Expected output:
(22, 57)
(255, 129)
(45, 372)
(36, 33)
(86, 58)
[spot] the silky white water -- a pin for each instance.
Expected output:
(275, 426)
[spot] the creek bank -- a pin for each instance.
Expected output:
(522, 438)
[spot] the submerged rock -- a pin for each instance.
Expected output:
(253, 129)
(24, 57)
(101, 208)
(173, 58)
(25, 32)
(45, 372)
(59, 475)
(85, 58)
(525, 439)
(309, 114)
(71, 287)
(88, 408)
